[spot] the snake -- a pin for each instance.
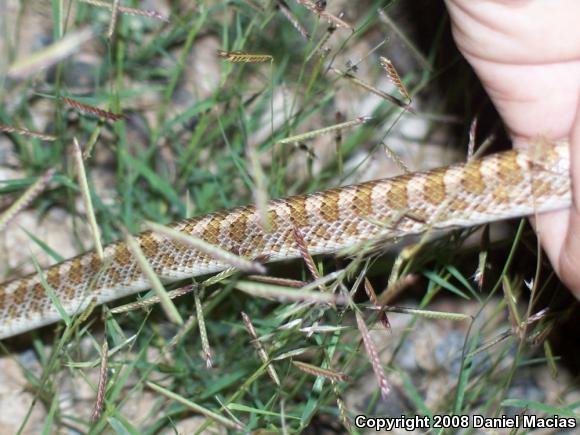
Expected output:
(509, 184)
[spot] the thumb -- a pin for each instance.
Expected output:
(559, 231)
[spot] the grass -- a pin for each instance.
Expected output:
(191, 144)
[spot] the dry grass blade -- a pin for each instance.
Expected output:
(320, 10)
(219, 277)
(510, 332)
(195, 407)
(336, 21)
(321, 45)
(333, 375)
(151, 301)
(241, 57)
(287, 294)
(216, 252)
(396, 159)
(397, 284)
(205, 347)
(394, 76)
(310, 5)
(511, 302)
(85, 192)
(396, 287)
(538, 336)
(472, 138)
(156, 285)
(130, 11)
(26, 198)
(373, 356)
(292, 324)
(283, 7)
(9, 129)
(443, 315)
(290, 354)
(314, 133)
(113, 22)
(260, 189)
(538, 316)
(317, 328)
(479, 274)
(328, 278)
(353, 67)
(61, 49)
(303, 248)
(260, 349)
(342, 410)
(285, 282)
(374, 90)
(105, 114)
(489, 344)
(187, 325)
(370, 291)
(82, 317)
(102, 382)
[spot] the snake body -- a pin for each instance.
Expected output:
(500, 186)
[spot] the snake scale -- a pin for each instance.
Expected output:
(499, 186)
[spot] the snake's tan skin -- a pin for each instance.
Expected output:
(500, 186)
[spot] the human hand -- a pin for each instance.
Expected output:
(527, 55)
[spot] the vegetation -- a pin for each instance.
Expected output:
(188, 110)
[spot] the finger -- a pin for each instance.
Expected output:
(525, 32)
(559, 231)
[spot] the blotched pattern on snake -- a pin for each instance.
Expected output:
(500, 186)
